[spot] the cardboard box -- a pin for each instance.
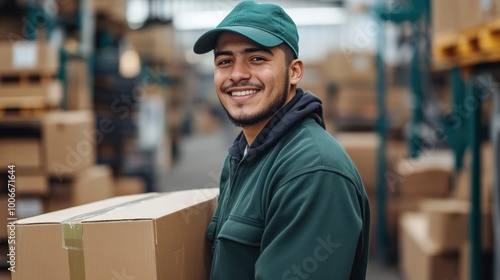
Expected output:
(362, 149)
(469, 13)
(3, 216)
(444, 17)
(129, 186)
(31, 183)
(68, 141)
(420, 257)
(46, 94)
(147, 236)
(91, 184)
(449, 223)
(32, 56)
(154, 43)
(78, 94)
(347, 66)
(426, 176)
(23, 153)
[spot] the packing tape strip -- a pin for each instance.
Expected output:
(72, 234)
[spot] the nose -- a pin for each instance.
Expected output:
(240, 71)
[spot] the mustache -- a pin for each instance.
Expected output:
(242, 84)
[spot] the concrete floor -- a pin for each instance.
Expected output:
(199, 167)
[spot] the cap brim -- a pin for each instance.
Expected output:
(207, 41)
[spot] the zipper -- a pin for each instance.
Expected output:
(224, 210)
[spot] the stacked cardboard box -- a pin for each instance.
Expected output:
(78, 92)
(155, 43)
(146, 236)
(52, 150)
(351, 76)
(452, 16)
(434, 241)
(443, 222)
(362, 148)
(27, 75)
(421, 258)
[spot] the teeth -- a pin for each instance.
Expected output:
(242, 93)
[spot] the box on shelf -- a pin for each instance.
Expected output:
(88, 185)
(28, 56)
(420, 257)
(449, 223)
(129, 185)
(444, 17)
(78, 95)
(362, 149)
(148, 236)
(344, 66)
(4, 215)
(40, 95)
(24, 153)
(31, 183)
(154, 43)
(426, 176)
(469, 13)
(68, 141)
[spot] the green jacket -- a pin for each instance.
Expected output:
(293, 207)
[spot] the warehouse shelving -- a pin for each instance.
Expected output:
(472, 56)
(466, 56)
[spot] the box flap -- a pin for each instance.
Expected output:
(59, 216)
(163, 204)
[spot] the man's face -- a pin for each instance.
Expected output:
(251, 81)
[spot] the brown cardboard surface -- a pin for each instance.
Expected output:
(31, 183)
(128, 186)
(154, 42)
(91, 184)
(31, 96)
(3, 216)
(162, 237)
(420, 256)
(23, 153)
(78, 93)
(469, 13)
(449, 223)
(68, 141)
(444, 17)
(348, 66)
(45, 59)
(362, 149)
(426, 176)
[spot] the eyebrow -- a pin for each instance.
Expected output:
(245, 51)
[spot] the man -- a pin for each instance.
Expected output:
(292, 204)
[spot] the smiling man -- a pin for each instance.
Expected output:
(292, 204)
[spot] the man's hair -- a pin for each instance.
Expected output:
(289, 54)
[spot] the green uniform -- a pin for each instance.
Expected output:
(292, 205)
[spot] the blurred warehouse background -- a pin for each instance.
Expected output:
(100, 98)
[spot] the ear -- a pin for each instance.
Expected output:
(296, 71)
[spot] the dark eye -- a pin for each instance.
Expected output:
(223, 61)
(257, 58)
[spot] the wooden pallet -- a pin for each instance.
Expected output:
(27, 91)
(479, 44)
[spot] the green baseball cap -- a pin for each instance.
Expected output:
(266, 24)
